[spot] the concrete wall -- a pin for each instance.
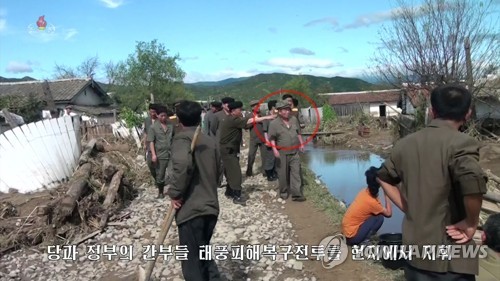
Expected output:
(390, 110)
(87, 97)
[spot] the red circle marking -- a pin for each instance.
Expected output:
(293, 92)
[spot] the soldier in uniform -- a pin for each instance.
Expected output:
(256, 142)
(216, 106)
(160, 140)
(285, 136)
(268, 155)
(193, 191)
(442, 187)
(215, 125)
(148, 122)
(230, 141)
(173, 118)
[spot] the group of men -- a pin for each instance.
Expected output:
(194, 175)
(276, 133)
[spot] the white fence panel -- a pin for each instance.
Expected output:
(39, 155)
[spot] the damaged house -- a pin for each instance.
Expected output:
(85, 96)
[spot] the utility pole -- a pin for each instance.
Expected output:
(470, 78)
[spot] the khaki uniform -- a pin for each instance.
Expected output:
(148, 123)
(436, 167)
(255, 144)
(230, 141)
(162, 139)
(215, 124)
(268, 155)
(206, 122)
(288, 165)
(194, 181)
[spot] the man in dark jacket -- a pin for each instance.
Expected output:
(193, 191)
(230, 142)
(256, 140)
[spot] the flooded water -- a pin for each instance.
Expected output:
(343, 171)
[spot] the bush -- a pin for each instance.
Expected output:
(131, 118)
(329, 117)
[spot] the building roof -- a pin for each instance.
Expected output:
(94, 110)
(63, 90)
(364, 97)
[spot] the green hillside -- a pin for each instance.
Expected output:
(258, 86)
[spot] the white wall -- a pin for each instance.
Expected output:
(87, 97)
(390, 110)
(39, 155)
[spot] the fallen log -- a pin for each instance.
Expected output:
(110, 197)
(87, 152)
(101, 146)
(108, 169)
(78, 185)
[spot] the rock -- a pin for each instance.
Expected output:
(138, 234)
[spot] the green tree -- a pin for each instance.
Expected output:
(149, 70)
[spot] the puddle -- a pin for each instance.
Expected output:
(343, 173)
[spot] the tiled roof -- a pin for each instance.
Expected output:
(94, 110)
(62, 90)
(366, 97)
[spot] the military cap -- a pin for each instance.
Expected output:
(216, 104)
(282, 105)
(227, 100)
(235, 104)
(254, 103)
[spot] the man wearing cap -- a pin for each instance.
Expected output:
(216, 106)
(230, 141)
(270, 160)
(160, 139)
(215, 125)
(148, 123)
(255, 139)
(285, 136)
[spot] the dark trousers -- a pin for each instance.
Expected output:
(195, 233)
(161, 171)
(151, 166)
(269, 159)
(289, 174)
(415, 274)
(232, 168)
(252, 153)
(368, 228)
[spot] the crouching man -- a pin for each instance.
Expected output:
(193, 191)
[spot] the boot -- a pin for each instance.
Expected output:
(270, 175)
(275, 174)
(249, 172)
(229, 192)
(237, 199)
(160, 192)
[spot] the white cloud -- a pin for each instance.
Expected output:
(328, 20)
(302, 51)
(19, 67)
(112, 4)
(300, 63)
(53, 33)
(70, 33)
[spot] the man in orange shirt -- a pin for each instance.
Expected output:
(365, 215)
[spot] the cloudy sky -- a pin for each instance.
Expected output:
(216, 39)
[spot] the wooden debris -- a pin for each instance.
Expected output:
(490, 207)
(110, 197)
(101, 146)
(87, 152)
(492, 196)
(108, 169)
(85, 238)
(492, 176)
(77, 187)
